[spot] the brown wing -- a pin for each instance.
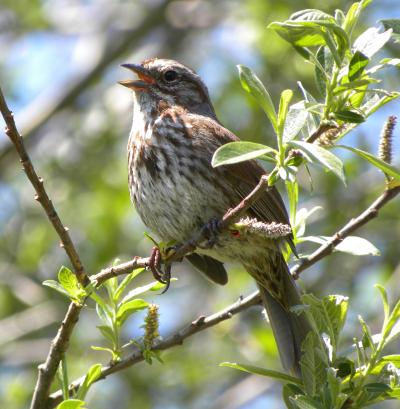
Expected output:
(243, 176)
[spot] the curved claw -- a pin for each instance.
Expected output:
(167, 278)
(163, 277)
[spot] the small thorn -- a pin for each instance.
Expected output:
(36, 197)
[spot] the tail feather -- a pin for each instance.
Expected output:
(290, 329)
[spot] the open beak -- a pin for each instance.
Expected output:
(144, 81)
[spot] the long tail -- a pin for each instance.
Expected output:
(289, 328)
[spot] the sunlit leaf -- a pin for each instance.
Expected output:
(235, 152)
(318, 155)
(251, 83)
(371, 41)
(71, 404)
(357, 65)
(126, 281)
(130, 307)
(93, 374)
(55, 285)
(286, 97)
(280, 376)
(380, 164)
(350, 116)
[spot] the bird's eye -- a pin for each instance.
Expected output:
(170, 75)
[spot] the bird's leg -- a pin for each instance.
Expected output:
(154, 265)
(210, 231)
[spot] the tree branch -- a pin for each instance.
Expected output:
(174, 339)
(41, 194)
(59, 345)
(370, 213)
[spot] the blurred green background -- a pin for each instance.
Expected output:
(59, 67)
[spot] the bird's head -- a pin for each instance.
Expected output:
(170, 82)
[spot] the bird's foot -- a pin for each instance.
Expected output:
(154, 265)
(210, 231)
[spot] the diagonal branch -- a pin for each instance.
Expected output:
(370, 213)
(60, 343)
(174, 339)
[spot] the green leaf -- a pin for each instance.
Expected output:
(353, 14)
(385, 302)
(301, 217)
(289, 391)
(107, 333)
(71, 404)
(93, 374)
(313, 364)
(357, 246)
(295, 120)
(114, 354)
(367, 340)
(71, 284)
(105, 314)
(280, 376)
(251, 83)
(126, 281)
(55, 285)
(329, 315)
(347, 115)
(318, 155)
(384, 361)
(357, 85)
(286, 97)
(153, 286)
(357, 65)
(130, 307)
(235, 152)
(377, 387)
(305, 402)
(380, 164)
(371, 41)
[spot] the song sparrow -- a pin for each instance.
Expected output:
(174, 134)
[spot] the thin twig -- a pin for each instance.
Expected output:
(41, 194)
(175, 339)
(370, 213)
(48, 370)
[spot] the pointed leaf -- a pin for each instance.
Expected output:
(126, 281)
(371, 41)
(71, 404)
(319, 155)
(385, 167)
(305, 402)
(262, 371)
(92, 375)
(107, 332)
(153, 286)
(357, 65)
(55, 285)
(357, 246)
(286, 97)
(313, 364)
(347, 115)
(234, 152)
(130, 307)
(252, 84)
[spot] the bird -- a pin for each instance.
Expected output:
(176, 191)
